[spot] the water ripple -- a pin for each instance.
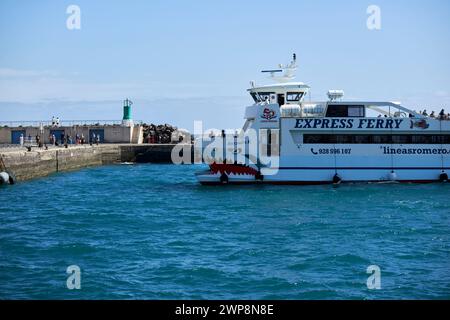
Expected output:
(150, 231)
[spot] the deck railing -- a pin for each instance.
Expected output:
(64, 123)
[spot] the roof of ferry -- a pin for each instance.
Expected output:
(287, 85)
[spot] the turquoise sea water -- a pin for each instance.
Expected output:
(150, 231)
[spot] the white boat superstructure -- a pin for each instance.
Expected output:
(304, 142)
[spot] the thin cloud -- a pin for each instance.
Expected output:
(17, 73)
(34, 86)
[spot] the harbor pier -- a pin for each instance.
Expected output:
(23, 165)
(34, 149)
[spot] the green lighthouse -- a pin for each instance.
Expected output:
(127, 120)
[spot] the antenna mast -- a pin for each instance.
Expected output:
(289, 71)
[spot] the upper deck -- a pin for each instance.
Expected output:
(286, 99)
(346, 109)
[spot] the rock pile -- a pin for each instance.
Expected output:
(158, 133)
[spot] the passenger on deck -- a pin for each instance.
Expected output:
(442, 114)
(432, 115)
(424, 113)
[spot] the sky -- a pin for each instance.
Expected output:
(181, 61)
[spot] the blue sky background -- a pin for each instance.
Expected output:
(181, 61)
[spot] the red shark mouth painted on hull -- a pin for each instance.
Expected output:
(237, 169)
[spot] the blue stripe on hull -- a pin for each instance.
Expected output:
(364, 168)
(214, 183)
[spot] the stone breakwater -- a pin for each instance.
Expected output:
(25, 165)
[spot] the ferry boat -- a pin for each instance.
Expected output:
(327, 142)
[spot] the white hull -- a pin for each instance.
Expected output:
(313, 164)
(310, 164)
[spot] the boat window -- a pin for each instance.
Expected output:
(445, 139)
(263, 95)
(337, 111)
(344, 111)
(294, 96)
(401, 139)
(342, 138)
(361, 139)
(375, 139)
(356, 111)
(425, 139)
(381, 139)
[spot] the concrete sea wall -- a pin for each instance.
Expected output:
(25, 165)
